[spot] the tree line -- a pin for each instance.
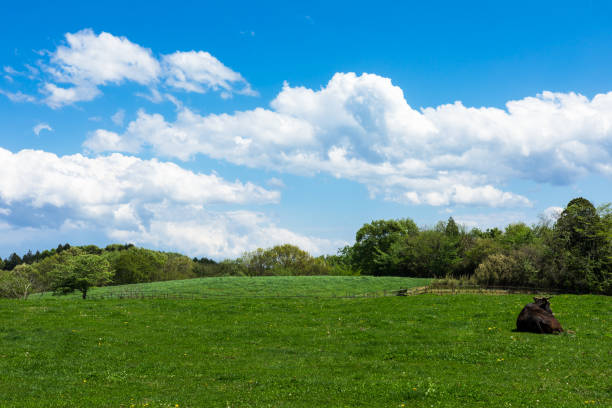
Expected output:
(573, 253)
(78, 268)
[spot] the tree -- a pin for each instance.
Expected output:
(517, 235)
(81, 272)
(372, 253)
(581, 248)
(452, 230)
(137, 265)
(12, 261)
(283, 260)
(431, 253)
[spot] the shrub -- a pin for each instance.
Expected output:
(496, 269)
(17, 283)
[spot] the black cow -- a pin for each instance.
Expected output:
(537, 317)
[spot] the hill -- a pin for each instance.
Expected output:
(261, 286)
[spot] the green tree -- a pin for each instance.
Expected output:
(451, 229)
(517, 235)
(580, 259)
(372, 253)
(431, 253)
(283, 260)
(81, 272)
(136, 265)
(177, 266)
(12, 261)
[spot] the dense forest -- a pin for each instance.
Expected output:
(572, 253)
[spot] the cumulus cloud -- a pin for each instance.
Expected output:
(77, 69)
(143, 201)
(100, 185)
(40, 127)
(357, 127)
(360, 127)
(103, 58)
(57, 96)
(219, 234)
(198, 71)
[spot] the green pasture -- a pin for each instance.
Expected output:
(415, 351)
(261, 286)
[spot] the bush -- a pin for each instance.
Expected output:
(496, 269)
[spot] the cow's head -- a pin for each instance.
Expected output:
(543, 303)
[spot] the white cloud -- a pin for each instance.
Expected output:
(11, 71)
(499, 220)
(40, 127)
(99, 184)
(361, 128)
(18, 96)
(118, 117)
(57, 96)
(552, 214)
(76, 70)
(105, 140)
(101, 59)
(219, 234)
(148, 202)
(198, 71)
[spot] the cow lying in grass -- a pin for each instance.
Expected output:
(537, 317)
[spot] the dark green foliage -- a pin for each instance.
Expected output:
(372, 253)
(136, 265)
(118, 247)
(581, 248)
(12, 261)
(451, 229)
(574, 254)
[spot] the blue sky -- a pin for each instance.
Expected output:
(212, 129)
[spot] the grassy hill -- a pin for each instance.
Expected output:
(418, 351)
(264, 286)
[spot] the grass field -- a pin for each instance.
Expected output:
(417, 351)
(266, 286)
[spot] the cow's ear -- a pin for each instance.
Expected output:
(535, 299)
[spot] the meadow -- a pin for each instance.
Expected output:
(319, 351)
(266, 286)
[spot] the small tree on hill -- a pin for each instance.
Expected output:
(81, 272)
